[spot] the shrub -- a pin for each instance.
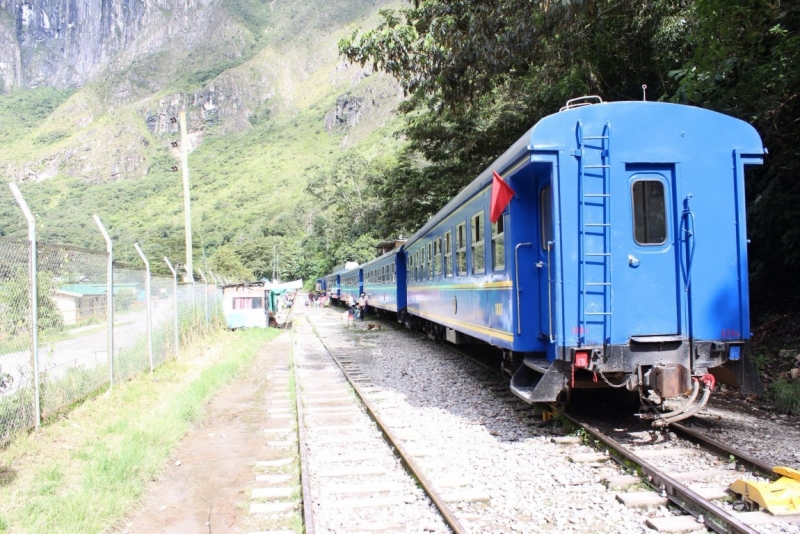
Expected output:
(785, 394)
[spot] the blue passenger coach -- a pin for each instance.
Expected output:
(351, 282)
(622, 255)
(385, 282)
(332, 286)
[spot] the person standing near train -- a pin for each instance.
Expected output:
(362, 306)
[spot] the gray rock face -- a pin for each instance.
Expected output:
(63, 43)
(346, 113)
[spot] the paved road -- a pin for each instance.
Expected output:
(87, 348)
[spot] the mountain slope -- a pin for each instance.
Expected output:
(268, 101)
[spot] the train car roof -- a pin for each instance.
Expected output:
(350, 270)
(382, 257)
(708, 130)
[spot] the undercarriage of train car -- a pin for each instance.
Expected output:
(671, 378)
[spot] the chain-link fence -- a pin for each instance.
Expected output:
(16, 362)
(73, 323)
(163, 306)
(130, 322)
(74, 336)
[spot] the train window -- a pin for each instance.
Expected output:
(649, 212)
(546, 216)
(498, 244)
(461, 249)
(430, 262)
(409, 267)
(476, 224)
(448, 254)
(418, 266)
(437, 256)
(394, 274)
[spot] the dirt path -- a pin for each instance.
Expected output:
(210, 490)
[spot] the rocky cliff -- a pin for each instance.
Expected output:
(65, 43)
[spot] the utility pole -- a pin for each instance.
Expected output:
(274, 262)
(187, 210)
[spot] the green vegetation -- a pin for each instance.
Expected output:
(785, 393)
(122, 444)
(21, 112)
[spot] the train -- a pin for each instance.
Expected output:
(606, 248)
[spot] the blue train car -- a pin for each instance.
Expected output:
(621, 259)
(385, 282)
(331, 282)
(351, 283)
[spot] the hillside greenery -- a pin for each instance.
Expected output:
(249, 196)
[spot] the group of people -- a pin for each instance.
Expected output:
(317, 299)
(358, 308)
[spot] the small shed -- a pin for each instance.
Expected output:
(81, 302)
(78, 303)
(244, 305)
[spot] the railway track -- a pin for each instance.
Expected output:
(682, 467)
(356, 476)
(496, 471)
(690, 476)
(682, 473)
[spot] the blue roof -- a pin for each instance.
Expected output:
(557, 132)
(382, 257)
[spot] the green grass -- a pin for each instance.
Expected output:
(785, 393)
(106, 474)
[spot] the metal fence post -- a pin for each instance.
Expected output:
(205, 293)
(109, 299)
(147, 304)
(174, 298)
(34, 296)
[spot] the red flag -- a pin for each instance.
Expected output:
(501, 196)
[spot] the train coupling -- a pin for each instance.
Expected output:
(688, 408)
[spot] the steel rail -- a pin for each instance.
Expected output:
(754, 464)
(437, 499)
(305, 477)
(712, 516)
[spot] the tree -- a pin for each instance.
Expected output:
(480, 74)
(225, 262)
(747, 64)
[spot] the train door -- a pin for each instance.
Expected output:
(647, 290)
(545, 245)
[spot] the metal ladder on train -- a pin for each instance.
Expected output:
(594, 183)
